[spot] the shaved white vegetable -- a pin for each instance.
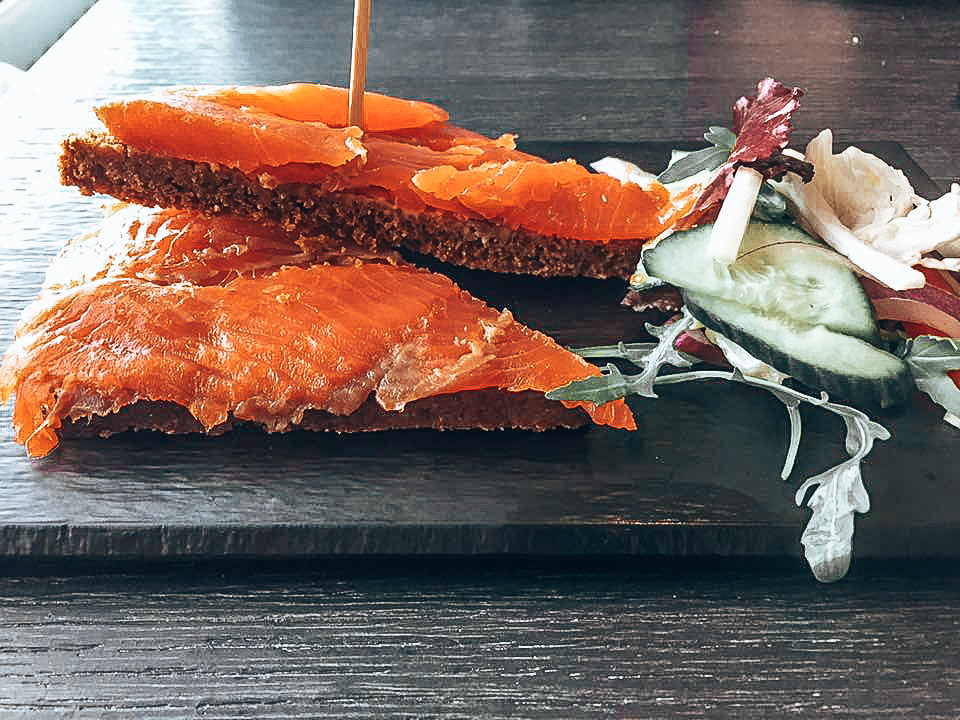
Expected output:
(853, 190)
(814, 212)
(734, 215)
(628, 172)
(878, 204)
(744, 361)
(931, 226)
(861, 188)
(624, 171)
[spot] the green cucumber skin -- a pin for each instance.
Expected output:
(683, 260)
(790, 302)
(865, 392)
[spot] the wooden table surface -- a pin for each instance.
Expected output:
(485, 637)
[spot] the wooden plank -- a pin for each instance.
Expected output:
(463, 642)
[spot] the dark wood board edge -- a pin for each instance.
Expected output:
(116, 542)
(312, 541)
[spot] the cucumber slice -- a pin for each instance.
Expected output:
(846, 367)
(781, 272)
(790, 302)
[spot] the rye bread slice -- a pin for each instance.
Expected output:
(97, 163)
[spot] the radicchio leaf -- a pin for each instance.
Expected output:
(762, 124)
(763, 127)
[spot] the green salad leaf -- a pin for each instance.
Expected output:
(771, 205)
(720, 137)
(708, 158)
(929, 359)
(839, 495)
(687, 165)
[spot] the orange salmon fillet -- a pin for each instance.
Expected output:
(170, 246)
(308, 102)
(180, 125)
(166, 246)
(408, 153)
(262, 345)
(553, 199)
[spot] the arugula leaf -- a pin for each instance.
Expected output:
(721, 141)
(720, 136)
(792, 404)
(709, 158)
(839, 491)
(649, 357)
(610, 385)
(929, 358)
(828, 538)
(634, 352)
(665, 353)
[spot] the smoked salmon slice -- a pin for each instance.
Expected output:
(166, 246)
(181, 125)
(259, 345)
(554, 199)
(408, 154)
(308, 102)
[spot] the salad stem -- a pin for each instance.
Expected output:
(734, 215)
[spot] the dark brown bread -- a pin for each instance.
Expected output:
(488, 409)
(97, 163)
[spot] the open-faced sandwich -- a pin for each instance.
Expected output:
(165, 320)
(410, 180)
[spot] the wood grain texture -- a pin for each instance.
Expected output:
(479, 643)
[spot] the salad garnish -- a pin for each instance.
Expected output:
(838, 492)
(869, 212)
(931, 360)
(762, 126)
(904, 249)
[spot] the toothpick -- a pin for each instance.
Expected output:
(358, 64)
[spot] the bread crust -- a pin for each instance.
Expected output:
(488, 409)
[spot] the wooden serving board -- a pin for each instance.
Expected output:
(699, 478)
